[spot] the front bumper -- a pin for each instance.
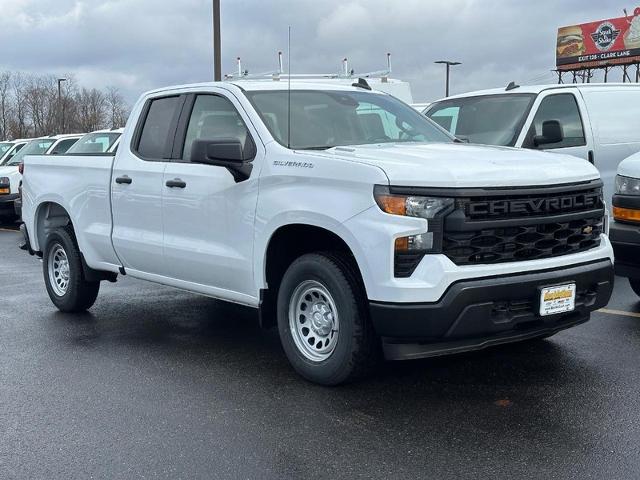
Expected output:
(475, 314)
(625, 239)
(7, 203)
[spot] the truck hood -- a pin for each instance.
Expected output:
(630, 166)
(8, 171)
(463, 165)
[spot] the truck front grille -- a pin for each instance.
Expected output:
(511, 226)
(513, 244)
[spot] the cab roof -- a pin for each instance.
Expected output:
(536, 89)
(274, 85)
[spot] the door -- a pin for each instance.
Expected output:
(208, 216)
(566, 108)
(137, 186)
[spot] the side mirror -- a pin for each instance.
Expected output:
(551, 133)
(217, 152)
(226, 152)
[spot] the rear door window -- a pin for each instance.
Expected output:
(562, 107)
(156, 136)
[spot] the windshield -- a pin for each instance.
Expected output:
(325, 119)
(4, 148)
(98, 142)
(10, 153)
(489, 120)
(35, 147)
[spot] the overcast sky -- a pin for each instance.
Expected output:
(137, 45)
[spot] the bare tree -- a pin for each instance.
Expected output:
(31, 106)
(42, 102)
(117, 109)
(5, 86)
(18, 124)
(91, 105)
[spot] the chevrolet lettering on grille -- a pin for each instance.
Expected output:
(536, 205)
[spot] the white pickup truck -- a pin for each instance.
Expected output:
(344, 216)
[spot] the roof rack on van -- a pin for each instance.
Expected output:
(279, 73)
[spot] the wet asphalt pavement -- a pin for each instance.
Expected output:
(159, 383)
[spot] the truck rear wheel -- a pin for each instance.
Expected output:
(323, 320)
(635, 285)
(63, 275)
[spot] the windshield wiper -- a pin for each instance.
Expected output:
(320, 147)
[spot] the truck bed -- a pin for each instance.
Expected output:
(80, 184)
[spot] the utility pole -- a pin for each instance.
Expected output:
(217, 58)
(60, 106)
(449, 65)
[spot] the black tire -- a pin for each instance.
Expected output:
(635, 285)
(79, 294)
(356, 349)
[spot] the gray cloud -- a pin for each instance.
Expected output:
(141, 44)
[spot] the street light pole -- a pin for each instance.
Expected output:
(449, 65)
(217, 58)
(60, 106)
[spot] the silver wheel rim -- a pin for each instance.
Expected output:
(58, 267)
(313, 320)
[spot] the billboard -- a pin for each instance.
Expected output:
(615, 41)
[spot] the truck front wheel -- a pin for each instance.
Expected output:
(323, 320)
(63, 275)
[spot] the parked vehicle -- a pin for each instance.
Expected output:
(344, 219)
(597, 122)
(625, 230)
(15, 147)
(100, 141)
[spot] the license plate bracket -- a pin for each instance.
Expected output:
(557, 299)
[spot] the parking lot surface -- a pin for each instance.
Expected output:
(158, 383)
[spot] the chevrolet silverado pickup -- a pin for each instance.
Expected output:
(343, 216)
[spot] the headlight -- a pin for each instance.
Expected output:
(410, 250)
(627, 185)
(5, 186)
(411, 205)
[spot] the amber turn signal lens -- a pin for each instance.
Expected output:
(393, 204)
(402, 245)
(626, 214)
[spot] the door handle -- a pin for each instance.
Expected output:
(175, 183)
(124, 179)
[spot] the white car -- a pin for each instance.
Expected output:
(625, 230)
(343, 216)
(597, 122)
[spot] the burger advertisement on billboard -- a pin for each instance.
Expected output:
(615, 41)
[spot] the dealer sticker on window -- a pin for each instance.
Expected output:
(558, 299)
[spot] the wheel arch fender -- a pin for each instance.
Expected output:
(304, 219)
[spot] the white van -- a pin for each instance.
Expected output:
(598, 122)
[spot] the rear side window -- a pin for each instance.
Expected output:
(563, 108)
(154, 136)
(63, 146)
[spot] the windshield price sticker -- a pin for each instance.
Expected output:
(558, 299)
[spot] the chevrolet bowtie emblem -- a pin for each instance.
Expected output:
(587, 230)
